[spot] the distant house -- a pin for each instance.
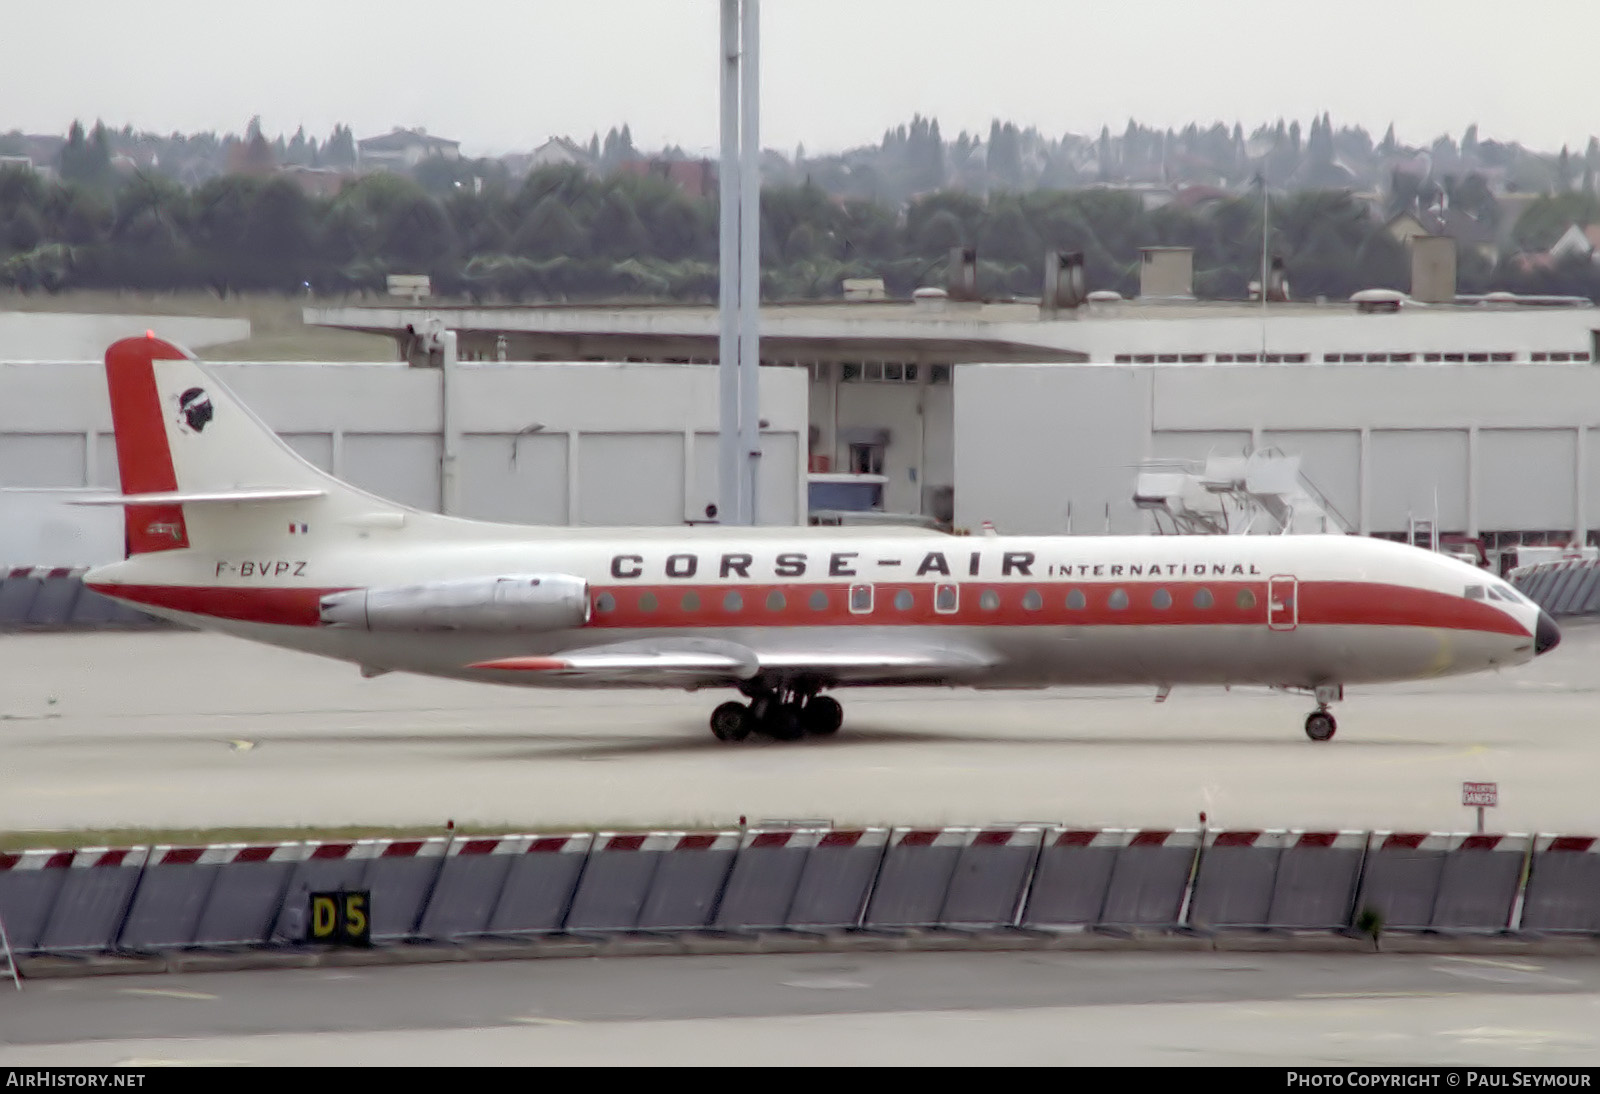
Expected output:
(1469, 232)
(560, 152)
(697, 178)
(404, 148)
(1577, 240)
(316, 182)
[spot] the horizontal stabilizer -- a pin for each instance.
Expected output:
(210, 497)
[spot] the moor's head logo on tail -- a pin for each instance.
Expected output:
(195, 406)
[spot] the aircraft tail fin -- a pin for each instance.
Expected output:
(196, 465)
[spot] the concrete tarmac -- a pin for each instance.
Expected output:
(187, 730)
(1325, 1010)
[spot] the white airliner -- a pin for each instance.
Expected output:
(229, 529)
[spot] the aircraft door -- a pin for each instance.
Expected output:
(1283, 602)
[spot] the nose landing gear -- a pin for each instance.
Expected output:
(1320, 724)
(782, 714)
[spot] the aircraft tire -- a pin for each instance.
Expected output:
(782, 722)
(822, 716)
(731, 722)
(1320, 726)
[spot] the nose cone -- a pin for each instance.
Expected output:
(1546, 636)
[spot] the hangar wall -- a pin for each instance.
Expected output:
(1488, 447)
(574, 444)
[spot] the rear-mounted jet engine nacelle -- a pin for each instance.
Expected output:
(514, 602)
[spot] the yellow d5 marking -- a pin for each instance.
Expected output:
(341, 918)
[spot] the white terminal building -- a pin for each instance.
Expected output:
(1469, 414)
(1476, 416)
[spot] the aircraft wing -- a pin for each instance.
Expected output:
(698, 662)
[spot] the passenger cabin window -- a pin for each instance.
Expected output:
(605, 602)
(1032, 601)
(945, 599)
(819, 601)
(647, 602)
(860, 599)
(733, 602)
(1245, 599)
(1203, 598)
(1076, 601)
(1118, 600)
(1474, 592)
(989, 601)
(775, 601)
(690, 602)
(903, 600)
(1161, 600)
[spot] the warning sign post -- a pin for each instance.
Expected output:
(1481, 795)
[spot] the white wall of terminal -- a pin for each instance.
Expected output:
(1105, 332)
(1488, 447)
(574, 444)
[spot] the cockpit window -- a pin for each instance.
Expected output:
(1474, 592)
(1509, 594)
(1495, 594)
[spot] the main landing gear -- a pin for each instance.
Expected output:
(782, 714)
(1320, 724)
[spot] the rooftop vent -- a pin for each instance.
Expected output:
(1063, 281)
(1104, 296)
(1166, 273)
(1433, 269)
(864, 288)
(1378, 300)
(961, 280)
(929, 298)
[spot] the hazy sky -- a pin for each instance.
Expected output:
(500, 75)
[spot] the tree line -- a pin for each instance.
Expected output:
(565, 234)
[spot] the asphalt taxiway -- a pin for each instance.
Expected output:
(187, 730)
(834, 1009)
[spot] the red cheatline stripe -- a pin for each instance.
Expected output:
(993, 837)
(333, 850)
(179, 856)
(1149, 838)
(479, 847)
(112, 858)
(1316, 839)
(20, 572)
(402, 848)
(1321, 603)
(1480, 843)
(790, 604)
(1076, 838)
(1572, 843)
(293, 607)
(920, 837)
(699, 841)
(1236, 839)
(549, 843)
(771, 839)
(255, 854)
(842, 838)
(7, 860)
(1410, 840)
(60, 571)
(624, 843)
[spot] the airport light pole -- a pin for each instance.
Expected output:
(739, 272)
(750, 258)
